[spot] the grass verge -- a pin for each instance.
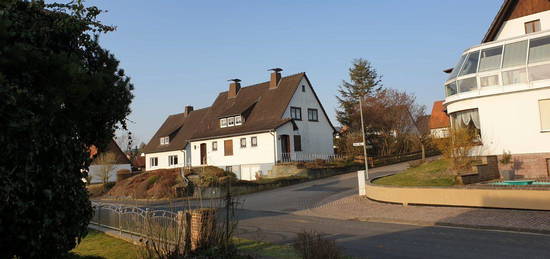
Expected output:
(263, 249)
(432, 173)
(99, 245)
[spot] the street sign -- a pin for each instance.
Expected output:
(360, 144)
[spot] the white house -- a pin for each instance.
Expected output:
(502, 87)
(247, 129)
(119, 161)
(439, 122)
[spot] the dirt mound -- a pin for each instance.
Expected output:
(155, 184)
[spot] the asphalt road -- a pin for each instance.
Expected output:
(268, 216)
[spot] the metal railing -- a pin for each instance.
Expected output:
(302, 157)
(136, 221)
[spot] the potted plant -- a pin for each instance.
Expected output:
(507, 171)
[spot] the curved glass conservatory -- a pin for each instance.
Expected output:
(501, 66)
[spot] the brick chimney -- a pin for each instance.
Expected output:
(234, 87)
(275, 77)
(188, 109)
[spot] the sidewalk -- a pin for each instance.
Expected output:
(355, 207)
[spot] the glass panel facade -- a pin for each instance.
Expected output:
(515, 54)
(470, 66)
(450, 89)
(539, 50)
(540, 72)
(486, 81)
(467, 84)
(457, 67)
(490, 59)
(516, 76)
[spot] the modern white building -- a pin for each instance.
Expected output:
(247, 129)
(502, 87)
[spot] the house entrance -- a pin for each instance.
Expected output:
(285, 148)
(203, 154)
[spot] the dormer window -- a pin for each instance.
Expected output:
(532, 26)
(230, 122)
(238, 120)
(223, 123)
(164, 140)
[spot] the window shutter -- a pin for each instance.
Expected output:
(544, 107)
(297, 143)
(228, 147)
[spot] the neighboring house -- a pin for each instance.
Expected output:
(247, 129)
(439, 122)
(138, 164)
(501, 87)
(120, 161)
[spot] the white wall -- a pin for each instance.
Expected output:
(262, 156)
(94, 171)
(163, 160)
(509, 121)
(317, 136)
(516, 27)
(439, 132)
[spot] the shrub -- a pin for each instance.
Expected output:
(457, 149)
(60, 93)
(311, 245)
(506, 158)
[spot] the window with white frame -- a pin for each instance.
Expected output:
(296, 113)
(490, 59)
(164, 140)
(470, 66)
(173, 160)
(468, 119)
(215, 146)
(223, 123)
(153, 161)
(238, 120)
(230, 122)
(243, 142)
(254, 141)
(544, 110)
(312, 115)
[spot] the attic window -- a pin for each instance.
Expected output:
(230, 122)
(532, 26)
(164, 140)
(303, 88)
(238, 120)
(223, 123)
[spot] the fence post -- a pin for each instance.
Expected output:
(99, 214)
(119, 220)
(184, 225)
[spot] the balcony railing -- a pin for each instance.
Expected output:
(510, 65)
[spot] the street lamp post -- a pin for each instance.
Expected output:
(364, 139)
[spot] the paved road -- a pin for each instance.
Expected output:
(272, 216)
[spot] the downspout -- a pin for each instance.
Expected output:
(274, 134)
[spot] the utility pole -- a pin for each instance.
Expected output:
(364, 139)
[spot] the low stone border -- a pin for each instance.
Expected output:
(489, 196)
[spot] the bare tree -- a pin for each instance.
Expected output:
(106, 163)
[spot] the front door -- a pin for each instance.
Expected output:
(203, 154)
(285, 148)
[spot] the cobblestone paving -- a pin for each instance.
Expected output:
(354, 207)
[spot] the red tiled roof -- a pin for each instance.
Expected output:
(439, 119)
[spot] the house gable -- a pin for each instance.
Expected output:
(514, 9)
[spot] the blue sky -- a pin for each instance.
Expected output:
(182, 52)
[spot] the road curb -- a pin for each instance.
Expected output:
(456, 225)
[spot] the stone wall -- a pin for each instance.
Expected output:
(530, 165)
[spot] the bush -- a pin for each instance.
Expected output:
(60, 93)
(311, 245)
(457, 149)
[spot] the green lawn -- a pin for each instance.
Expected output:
(99, 245)
(265, 249)
(433, 173)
